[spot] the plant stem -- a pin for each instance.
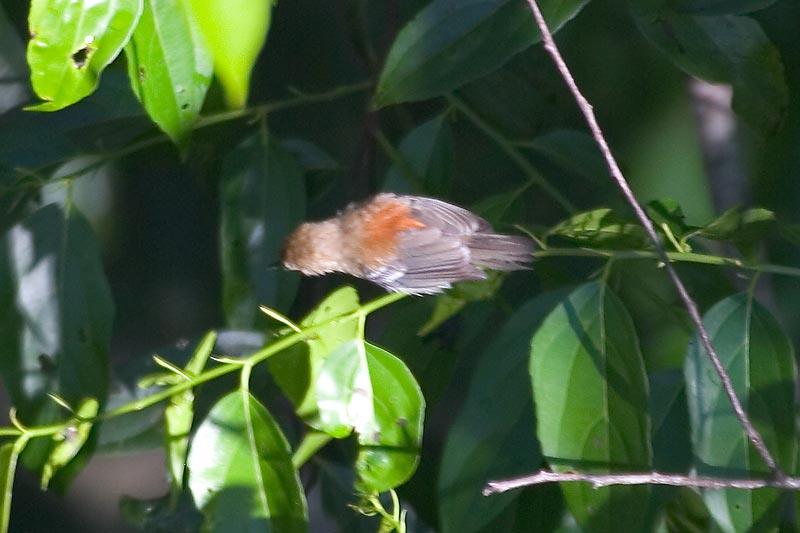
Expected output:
(534, 177)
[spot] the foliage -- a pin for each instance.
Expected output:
(155, 153)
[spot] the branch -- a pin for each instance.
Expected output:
(650, 478)
(588, 113)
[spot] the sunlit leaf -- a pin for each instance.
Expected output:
(759, 359)
(169, 67)
(590, 392)
(603, 228)
(365, 389)
(179, 414)
(70, 442)
(235, 31)
(72, 42)
(240, 470)
(296, 370)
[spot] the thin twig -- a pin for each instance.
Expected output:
(646, 478)
(534, 177)
(622, 183)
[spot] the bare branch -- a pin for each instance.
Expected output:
(622, 183)
(649, 478)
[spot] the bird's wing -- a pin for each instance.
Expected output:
(450, 219)
(426, 261)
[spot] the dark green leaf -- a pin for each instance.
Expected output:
(451, 42)
(427, 160)
(70, 442)
(178, 415)
(240, 470)
(13, 70)
(724, 49)
(71, 44)
(759, 359)
(262, 191)
(574, 151)
(493, 435)
(591, 395)
(603, 228)
(169, 67)
(449, 304)
(160, 515)
(719, 7)
(743, 227)
(57, 317)
(365, 389)
(296, 370)
(235, 31)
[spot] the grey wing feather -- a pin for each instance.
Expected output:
(451, 219)
(428, 262)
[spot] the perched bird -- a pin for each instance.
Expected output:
(408, 244)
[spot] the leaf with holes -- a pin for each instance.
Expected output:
(240, 470)
(169, 67)
(759, 359)
(591, 394)
(72, 42)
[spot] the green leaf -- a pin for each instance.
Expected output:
(574, 151)
(719, 7)
(57, 316)
(70, 442)
(427, 154)
(235, 31)
(759, 359)
(262, 194)
(169, 67)
(297, 369)
(240, 470)
(493, 436)
(667, 215)
(365, 389)
(9, 454)
(724, 49)
(72, 43)
(602, 228)
(743, 227)
(451, 42)
(178, 416)
(591, 396)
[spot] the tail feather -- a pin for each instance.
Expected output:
(501, 252)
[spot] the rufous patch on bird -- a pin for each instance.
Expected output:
(382, 223)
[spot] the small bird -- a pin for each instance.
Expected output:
(409, 244)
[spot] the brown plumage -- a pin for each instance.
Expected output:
(407, 244)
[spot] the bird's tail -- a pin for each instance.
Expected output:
(501, 252)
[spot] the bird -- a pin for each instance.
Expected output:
(409, 244)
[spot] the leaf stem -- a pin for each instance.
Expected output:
(534, 177)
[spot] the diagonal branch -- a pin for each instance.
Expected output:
(588, 113)
(650, 478)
